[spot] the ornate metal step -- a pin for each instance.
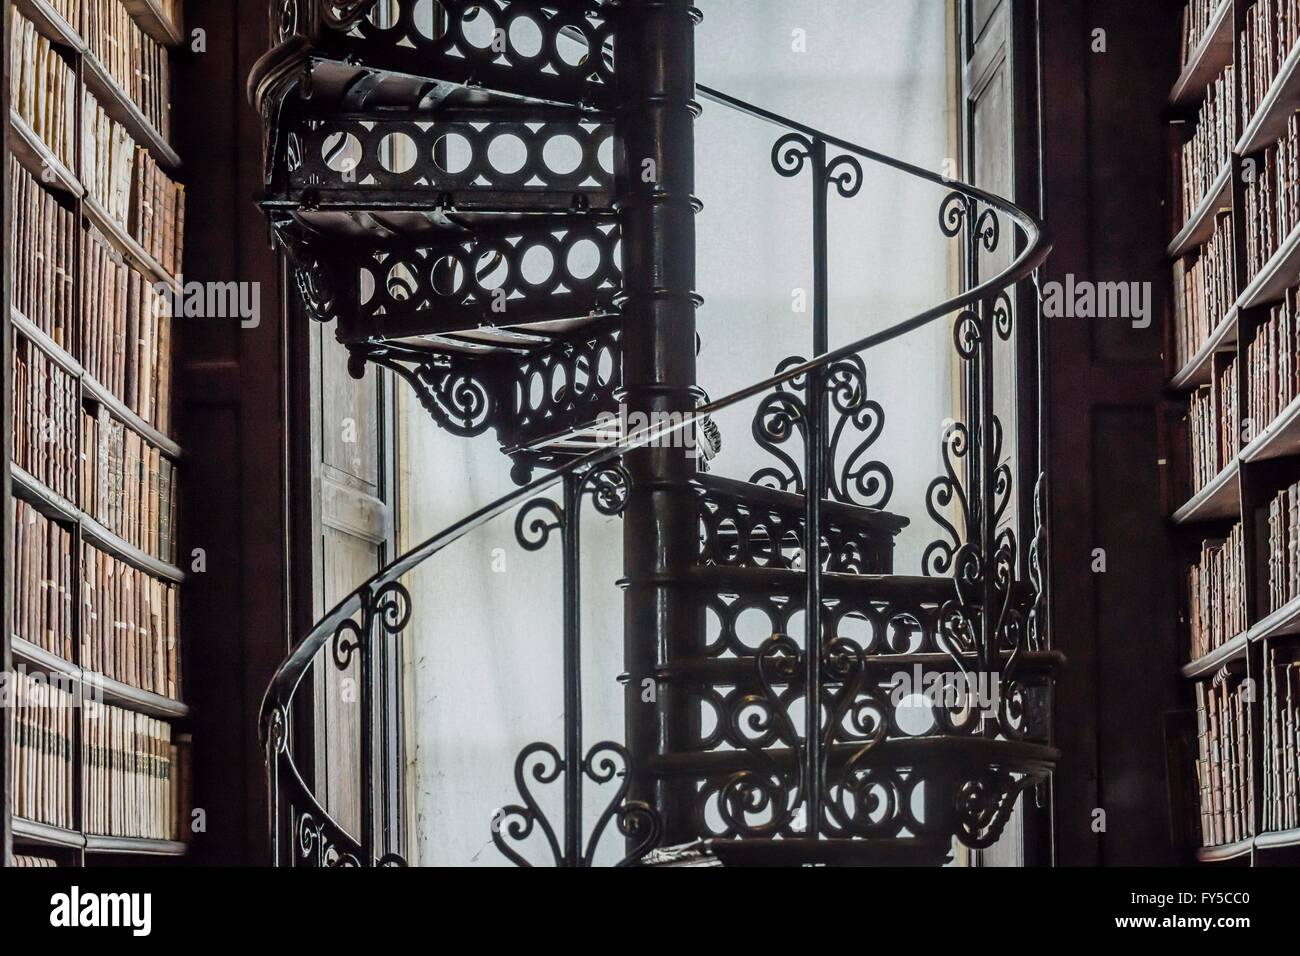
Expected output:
(743, 524)
(550, 277)
(526, 395)
(418, 53)
(463, 163)
(899, 851)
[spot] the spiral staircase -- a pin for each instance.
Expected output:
(541, 300)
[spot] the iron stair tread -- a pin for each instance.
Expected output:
(422, 224)
(733, 671)
(854, 514)
(759, 852)
(354, 71)
(953, 753)
(885, 587)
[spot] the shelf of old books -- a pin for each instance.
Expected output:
(1234, 359)
(99, 724)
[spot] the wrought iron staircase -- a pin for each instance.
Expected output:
(460, 273)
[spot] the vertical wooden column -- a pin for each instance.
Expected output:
(656, 176)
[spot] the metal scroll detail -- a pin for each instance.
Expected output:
(604, 763)
(457, 394)
(607, 486)
(853, 477)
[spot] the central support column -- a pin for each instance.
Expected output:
(663, 618)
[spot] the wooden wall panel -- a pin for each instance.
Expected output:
(231, 382)
(1104, 171)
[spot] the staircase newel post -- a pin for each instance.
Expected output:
(815, 465)
(365, 696)
(655, 181)
(573, 768)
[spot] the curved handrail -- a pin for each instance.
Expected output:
(1036, 250)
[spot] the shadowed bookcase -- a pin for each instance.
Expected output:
(1233, 456)
(96, 760)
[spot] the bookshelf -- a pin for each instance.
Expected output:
(97, 764)
(1233, 349)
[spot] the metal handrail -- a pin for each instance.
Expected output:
(1035, 251)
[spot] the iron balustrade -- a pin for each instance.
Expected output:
(980, 626)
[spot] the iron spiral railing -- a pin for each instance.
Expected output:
(975, 619)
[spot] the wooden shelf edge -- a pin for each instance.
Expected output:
(29, 831)
(114, 692)
(1187, 88)
(153, 21)
(1212, 661)
(134, 846)
(50, 24)
(100, 82)
(1225, 851)
(1284, 621)
(142, 701)
(1200, 225)
(137, 424)
(1279, 102)
(92, 385)
(1276, 276)
(115, 233)
(1272, 441)
(123, 109)
(35, 492)
(106, 540)
(52, 349)
(1277, 839)
(29, 653)
(36, 157)
(1196, 372)
(1197, 507)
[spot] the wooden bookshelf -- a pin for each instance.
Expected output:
(1240, 783)
(135, 544)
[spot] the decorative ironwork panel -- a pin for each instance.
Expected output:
(853, 477)
(743, 530)
(569, 385)
(522, 277)
(557, 50)
(483, 161)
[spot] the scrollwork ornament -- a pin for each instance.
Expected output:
(789, 154)
(536, 521)
(608, 485)
(758, 721)
(1003, 316)
(453, 391)
(953, 211)
(845, 174)
(987, 229)
(777, 419)
(391, 607)
(637, 820)
(942, 493)
(984, 802)
(286, 19)
(543, 763)
(1037, 623)
(348, 639)
(342, 14)
(967, 334)
(860, 481)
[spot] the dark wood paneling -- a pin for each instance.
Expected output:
(231, 381)
(1104, 170)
